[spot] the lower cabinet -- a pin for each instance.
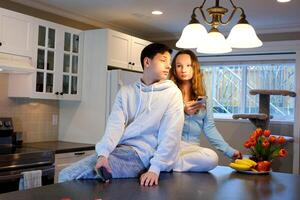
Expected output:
(64, 160)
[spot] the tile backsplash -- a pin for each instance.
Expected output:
(32, 117)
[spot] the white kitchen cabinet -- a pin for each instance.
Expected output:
(137, 45)
(16, 33)
(57, 61)
(123, 51)
(64, 160)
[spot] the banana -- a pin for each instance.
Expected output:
(241, 167)
(253, 163)
(254, 170)
(245, 161)
(242, 162)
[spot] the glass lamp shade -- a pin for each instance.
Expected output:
(243, 36)
(283, 1)
(191, 36)
(215, 44)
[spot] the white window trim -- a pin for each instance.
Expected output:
(228, 118)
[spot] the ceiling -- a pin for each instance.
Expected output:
(134, 16)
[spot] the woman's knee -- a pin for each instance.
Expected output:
(213, 158)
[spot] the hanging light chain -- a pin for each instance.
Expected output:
(216, 14)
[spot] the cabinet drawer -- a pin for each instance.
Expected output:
(69, 158)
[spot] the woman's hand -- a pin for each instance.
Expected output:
(192, 107)
(237, 155)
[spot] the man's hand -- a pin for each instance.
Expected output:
(192, 107)
(149, 179)
(237, 155)
(103, 161)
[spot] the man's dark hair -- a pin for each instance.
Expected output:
(152, 49)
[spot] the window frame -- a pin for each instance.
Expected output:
(252, 58)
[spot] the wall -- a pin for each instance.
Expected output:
(32, 117)
(296, 167)
(84, 121)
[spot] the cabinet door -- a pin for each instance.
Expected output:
(119, 45)
(46, 62)
(71, 73)
(15, 33)
(137, 45)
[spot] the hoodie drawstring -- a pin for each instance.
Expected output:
(149, 102)
(140, 101)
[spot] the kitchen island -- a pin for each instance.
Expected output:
(220, 183)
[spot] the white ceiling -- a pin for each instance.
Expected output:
(134, 16)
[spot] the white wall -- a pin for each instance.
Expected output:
(84, 121)
(296, 164)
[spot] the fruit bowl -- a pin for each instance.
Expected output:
(253, 172)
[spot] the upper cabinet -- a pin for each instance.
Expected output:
(57, 63)
(46, 61)
(71, 73)
(57, 60)
(124, 50)
(16, 33)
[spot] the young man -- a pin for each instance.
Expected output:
(143, 130)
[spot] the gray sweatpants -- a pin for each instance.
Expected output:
(124, 161)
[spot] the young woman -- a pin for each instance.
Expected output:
(186, 74)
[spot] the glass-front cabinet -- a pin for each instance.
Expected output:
(55, 56)
(45, 60)
(58, 69)
(70, 64)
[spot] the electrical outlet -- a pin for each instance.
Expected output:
(54, 119)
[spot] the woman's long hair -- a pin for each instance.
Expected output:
(198, 87)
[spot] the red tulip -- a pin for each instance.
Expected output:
(258, 131)
(282, 153)
(265, 144)
(272, 139)
(281, 140)
(267, 133)
(252, 137)
(247, 144)
(252, 142)
(254, 134)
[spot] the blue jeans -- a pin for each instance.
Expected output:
(124, 162)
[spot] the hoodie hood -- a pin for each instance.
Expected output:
(157, 86)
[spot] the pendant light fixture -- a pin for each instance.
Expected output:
(194, 35)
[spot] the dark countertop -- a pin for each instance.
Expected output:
(221, 183)
(60, 147)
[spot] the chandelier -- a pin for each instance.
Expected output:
(194, 35)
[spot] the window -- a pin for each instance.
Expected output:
(228, 84)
